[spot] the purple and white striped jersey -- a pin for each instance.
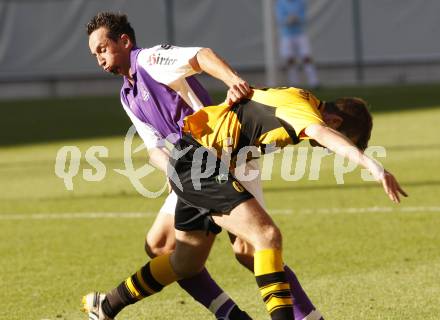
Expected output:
(165, 91)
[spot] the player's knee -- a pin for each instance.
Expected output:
(157, 246)
(271, 237)
(150, 250)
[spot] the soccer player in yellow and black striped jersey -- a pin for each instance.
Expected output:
(210, 198)
(275, 116)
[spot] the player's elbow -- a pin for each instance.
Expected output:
(205, 52)
(204, 59)
(315, 131)
(201, 59)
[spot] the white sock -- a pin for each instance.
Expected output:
(311, 74)
(293, 75)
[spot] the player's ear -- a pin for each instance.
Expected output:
(125, 40)
(332, 120)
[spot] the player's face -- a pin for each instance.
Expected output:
(112, 56)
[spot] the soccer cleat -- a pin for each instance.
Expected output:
(92, 305)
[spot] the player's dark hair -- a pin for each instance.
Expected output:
(116, 24)
(357, 121)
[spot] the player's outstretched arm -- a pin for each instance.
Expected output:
(343, 146)
(208, 61)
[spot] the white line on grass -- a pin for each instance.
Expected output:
(137, 215)
(76, 215)
(355, 210)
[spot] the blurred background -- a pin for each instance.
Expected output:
(358, 255)
(44, 52)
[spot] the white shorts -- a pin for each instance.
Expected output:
(169, 206)
(295, 46)
(253, 186)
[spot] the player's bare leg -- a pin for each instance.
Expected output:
(250, 222)
(160, 240)
(192, 250)
(186, 260)
(303, 308)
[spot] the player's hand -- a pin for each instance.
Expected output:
(392, 187)
(238, 89)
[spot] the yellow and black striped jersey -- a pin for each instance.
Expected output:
(275, 116)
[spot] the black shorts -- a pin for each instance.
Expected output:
(204, 186)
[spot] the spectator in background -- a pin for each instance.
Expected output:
(294, 43)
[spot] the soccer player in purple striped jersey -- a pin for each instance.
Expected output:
(159, 90)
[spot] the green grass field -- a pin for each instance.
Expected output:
(358, 255)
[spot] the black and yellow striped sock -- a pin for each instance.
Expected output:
(150, 279)
(274, 288)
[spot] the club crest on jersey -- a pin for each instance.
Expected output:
(157, 59)
(304, 94)
(237, 186)
(144, 93)
(221, 178)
